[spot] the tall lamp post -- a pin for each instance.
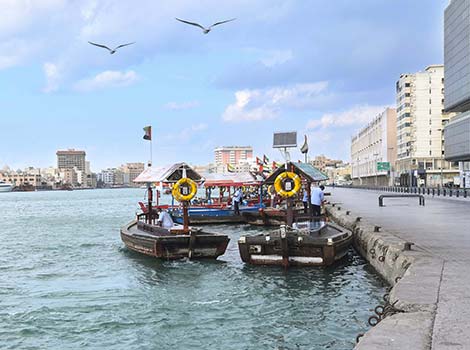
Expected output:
(442, 158)
(375, 171)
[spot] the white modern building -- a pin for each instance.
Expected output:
(372, 146)
(420, 124)
(457, 86)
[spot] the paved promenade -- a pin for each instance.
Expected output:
(441, 229)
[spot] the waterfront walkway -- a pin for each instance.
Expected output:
(442, 229)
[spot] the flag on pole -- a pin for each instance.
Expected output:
(230, 168)
(259, 161)
(148, 133)
(265, 159)
(276, 165)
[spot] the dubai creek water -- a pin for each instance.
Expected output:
(68, 282)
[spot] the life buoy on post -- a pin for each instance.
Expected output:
(184, 189)
(280, 184)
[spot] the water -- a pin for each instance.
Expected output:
(67, 282)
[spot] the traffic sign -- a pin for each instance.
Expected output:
(383, 166)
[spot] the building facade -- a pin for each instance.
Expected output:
(71, 159)
(22, 179)
(321, 162)
(457, 86)
(231, 155)
(420, 124)
(73, 167)
(375, 143)
(130, 172)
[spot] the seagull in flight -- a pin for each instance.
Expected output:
(208, 29)
(111, 51)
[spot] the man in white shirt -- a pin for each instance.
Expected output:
(237, 198)
(316, 200)
(164, 219)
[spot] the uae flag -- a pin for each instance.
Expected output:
(265, 159)
(259, 161)
(148, 133)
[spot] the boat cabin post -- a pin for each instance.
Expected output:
(149, 204)
(185, 215)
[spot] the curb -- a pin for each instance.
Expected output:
(415, 278)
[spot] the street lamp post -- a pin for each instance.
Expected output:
(375, 171)
(442, 159)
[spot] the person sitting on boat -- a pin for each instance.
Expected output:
(164, 219)
(237, 198)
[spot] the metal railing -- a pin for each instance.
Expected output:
(430, 191)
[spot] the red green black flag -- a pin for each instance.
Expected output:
(148, 133)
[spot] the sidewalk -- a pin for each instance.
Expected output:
(442, 229)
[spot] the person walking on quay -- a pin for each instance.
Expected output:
(316, 200)
(237, 198)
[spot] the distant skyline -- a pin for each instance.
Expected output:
(323, 68)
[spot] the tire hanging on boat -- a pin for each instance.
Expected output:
(278, 184)
(177, 192)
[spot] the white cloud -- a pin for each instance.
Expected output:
(17, 15)
(262, 104)
(276, 57)
(53, 76)
(355, 116)
(188, 132)
(182, 105)
(107, 79)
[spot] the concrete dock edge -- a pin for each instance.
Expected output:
(414, 275)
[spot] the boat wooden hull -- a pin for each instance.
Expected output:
(271, 217)
(196, 245)
(296, 249)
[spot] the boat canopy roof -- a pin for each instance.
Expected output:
(304, 170)
(168, 174)
(232, 179)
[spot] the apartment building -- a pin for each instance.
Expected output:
(420, 124)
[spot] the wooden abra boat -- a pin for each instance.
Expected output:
(143, 235)
(175, 243)
(301, 240)
(308, 244)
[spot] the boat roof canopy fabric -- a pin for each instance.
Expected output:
(169, 174)
(304, 170)
(232, 179)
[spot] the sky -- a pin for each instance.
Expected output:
(323, 68)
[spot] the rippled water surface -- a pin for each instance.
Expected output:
(67, 282)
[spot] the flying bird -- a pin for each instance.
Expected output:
(111, 51)
(208, 29)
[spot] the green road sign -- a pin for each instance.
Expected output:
(383, 166)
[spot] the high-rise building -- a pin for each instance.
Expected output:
(71, 159)
(232, 155)
(373, 144)
(420, 124)
(457, 86)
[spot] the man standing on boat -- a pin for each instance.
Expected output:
(237, 198)
(316, 200)
(164, 219)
